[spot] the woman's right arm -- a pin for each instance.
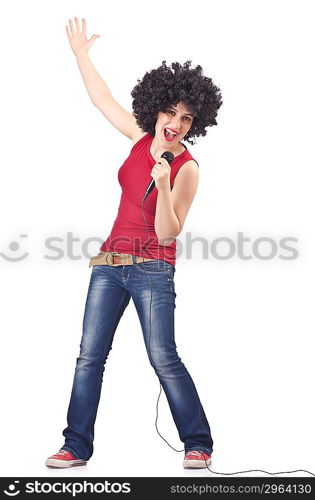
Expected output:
(98, 91)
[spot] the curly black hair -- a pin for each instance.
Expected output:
(161, 88)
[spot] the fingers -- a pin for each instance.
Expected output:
(77, 29)
(71, 27)
(158, 167)
(68, 32)
(83, 26)
(162, 161)
(77, 24)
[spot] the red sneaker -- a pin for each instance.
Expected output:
(63, 459)
(196, 460)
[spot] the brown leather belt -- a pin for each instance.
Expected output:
(115, 259)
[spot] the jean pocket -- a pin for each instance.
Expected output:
(155, 267)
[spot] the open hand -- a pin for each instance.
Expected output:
(77, 37)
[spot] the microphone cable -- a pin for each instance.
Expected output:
(157, 403)
(149, 346)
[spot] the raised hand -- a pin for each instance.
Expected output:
(77, 37)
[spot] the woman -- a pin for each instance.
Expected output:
(138, 258)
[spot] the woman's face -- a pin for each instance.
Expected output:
(177, 119)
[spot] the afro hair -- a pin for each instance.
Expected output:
(161, 88)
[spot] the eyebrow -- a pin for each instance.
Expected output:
(172, 107)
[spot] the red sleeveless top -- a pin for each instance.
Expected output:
(133, 230)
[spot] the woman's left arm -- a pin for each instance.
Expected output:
(173, 205)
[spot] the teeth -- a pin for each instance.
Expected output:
(173, 133)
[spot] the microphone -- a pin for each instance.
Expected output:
(169, 157)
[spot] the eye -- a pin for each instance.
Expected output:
(170, 111)
(188, 118)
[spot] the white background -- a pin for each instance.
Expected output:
(244, 328)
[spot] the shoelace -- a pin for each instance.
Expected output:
(62, 452)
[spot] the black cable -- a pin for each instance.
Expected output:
(149, 348)
(157, 403)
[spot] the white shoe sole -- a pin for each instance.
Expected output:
(61, 464)
(196, 464)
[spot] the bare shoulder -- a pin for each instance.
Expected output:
(137, 135)
(190, 164)
(189, 168)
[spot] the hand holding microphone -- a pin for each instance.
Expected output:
(162, 168)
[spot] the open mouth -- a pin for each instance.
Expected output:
(169, 134)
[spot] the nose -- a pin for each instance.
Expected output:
(176, 125)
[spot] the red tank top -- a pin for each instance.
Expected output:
(132, 233)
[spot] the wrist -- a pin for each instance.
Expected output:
(81, 54)
(164, 190)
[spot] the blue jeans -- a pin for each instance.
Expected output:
(108, 295)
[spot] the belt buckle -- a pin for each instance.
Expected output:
(113, 254)
(110, 259)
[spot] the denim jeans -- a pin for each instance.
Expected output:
(108, 295)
